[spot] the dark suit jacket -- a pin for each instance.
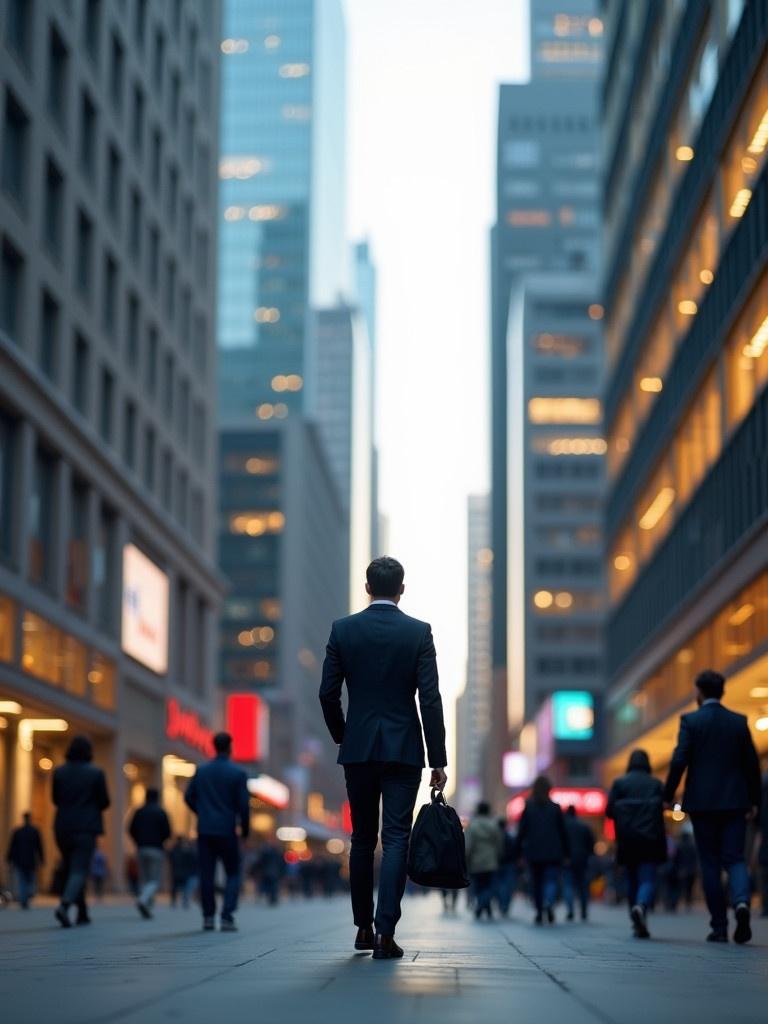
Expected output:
(218, 794)
(25, 851)
(542, 834)
(150, 826)
(716, 748)
(636, 805)
(385, 657)
(80, 795)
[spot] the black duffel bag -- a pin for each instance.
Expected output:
(437, 858)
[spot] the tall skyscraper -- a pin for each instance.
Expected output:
(547, 222)
(473, 709)
(109, 592)
(686, 407)
(282, 241)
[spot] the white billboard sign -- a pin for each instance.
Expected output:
(145, 610)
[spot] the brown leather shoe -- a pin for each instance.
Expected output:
(364, 938)
(385, 948)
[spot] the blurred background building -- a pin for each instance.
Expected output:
(109, 592)
(686, 410)
(473, 708)
(547, 455)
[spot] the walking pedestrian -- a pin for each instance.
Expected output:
(149, 829)
(722, 791)
(762, 853)
(25, 856)
(268, 871)
(385, 658)
(183, 863)
(484, 844)
(581, 846)
(218, 794)
(544, 845)
(80, 797)
(686, 867)
(636, 807)
(505, 882)
(99, 872)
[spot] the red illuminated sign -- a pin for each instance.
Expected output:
(586, 801)
(247, 724)
(346, 818)
(186, 726)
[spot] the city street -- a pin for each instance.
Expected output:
(296, 963)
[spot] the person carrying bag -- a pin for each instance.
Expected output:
(437, 857)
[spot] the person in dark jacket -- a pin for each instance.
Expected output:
(506, 877)
(25, 855)
(636, 807)
(183, 861)
(722, 791)
(80, 797)
(762, 853)
(218, 794)
(543, 842)
(385, 658)
(581, 846)
(149, 829)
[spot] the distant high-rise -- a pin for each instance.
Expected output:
(282, 244)
(109, 591)
(473, 712)
(548, 219)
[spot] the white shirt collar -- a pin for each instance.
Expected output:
(710, 700)
(383, 600)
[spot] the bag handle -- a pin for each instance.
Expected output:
(437, 796)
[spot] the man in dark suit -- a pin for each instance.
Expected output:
(385, 658)
(722, 792)
(80, 796)
(25, 855)
(218, 794)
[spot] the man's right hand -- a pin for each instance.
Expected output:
(438, 779)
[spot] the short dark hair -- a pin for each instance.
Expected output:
(570, 811)
(385, 576)
(152, 795)
(710, 684)
(80, 749)
(222, 743)
(483, 807)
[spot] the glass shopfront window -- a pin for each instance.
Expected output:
(745, 153)
(697, 267)
(655, 510)
(623, 565)
(7, 628)
(101, 681)
(698, 440)
(746, 368)
(41, 644)
(653, 364)
(622, 436)
(51, 654)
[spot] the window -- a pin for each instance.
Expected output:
(134, 238)
(11, 286)
(41, 517)
(58, 60)
(150, 452)
(166, 479)
(170, 288)
(153, 258)
(132, 331)
(521, 153)
(49, 336)
(200, 342)
(88, 128)
(83, 254)
(140, 23)
(182, 628)
(622, 436)
(201, 261)
(92, 28)
(184, 411)
(106, 404)
(564, 410)
(15, 149)
(188, 222)
(152, 354)
(699, 438)
(655, 510)
(182, 497)
(116, 74)
(109, 296)
(746, 366)
(185, 317)
(129, 435)
(77, 547)
(80, 374)
(175, 96)
(653, 363)
(7, 628)
(114, 183)
(101, 680)
(104, 557)
(197, 516)
(53, 209)
(168, 379)
(156, 159)
(137, 121)
(746, 151)
(189, 137)
(7, 449)
(158, 62)
(18, 27)
(172, 197)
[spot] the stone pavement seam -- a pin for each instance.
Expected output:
(596, 1012)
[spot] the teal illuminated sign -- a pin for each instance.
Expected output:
(573, 715)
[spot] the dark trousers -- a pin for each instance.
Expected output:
(211, 849)
(576, 886)
(76, 850)
(641, 885)
(482, 890)
(544, 879)
(394, 786)
(721, 839)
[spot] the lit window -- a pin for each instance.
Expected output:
(266, 211)
(265, 411)
(529, 218)
(564, 410)
(596, 311)
(255, 524)
(234, 213)
(570, 445)
(230, 46)
(543, 599)
(266, 315)
(684, 153)
(241, 167)
(294, 70)
(291, 382)
(272, 41)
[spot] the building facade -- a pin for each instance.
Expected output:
(548, 215)
(473, 708)
(109, 592)
(686, 200)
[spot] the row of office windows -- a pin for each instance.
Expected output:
(567, 666)
(740, 165)
(724, 399)
(735, 632)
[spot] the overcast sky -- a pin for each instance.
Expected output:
(422, 88)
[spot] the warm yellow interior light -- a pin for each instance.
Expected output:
(564, 410)
(595, 311)
(740, 202)
(658, 508)
(10, 707)
(760, 138)
(759, 692)
(563, 599)
(29, 726)
(762, 724)
(543, 599)
(687, 307)
(684, 153)
(759, 341)
(652, 384)
(178, 767)
(706, 276)
(742, 615)
(622, 562)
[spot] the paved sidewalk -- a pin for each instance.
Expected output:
(294, 963)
